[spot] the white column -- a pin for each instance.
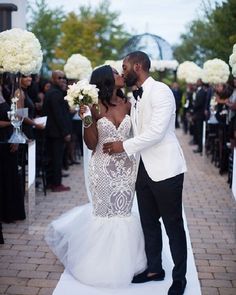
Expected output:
(204, 138)
(234, 175)
(31, 169)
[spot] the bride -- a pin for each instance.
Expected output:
(101, 244)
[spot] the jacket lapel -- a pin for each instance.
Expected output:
(141, 106)
(133, 116)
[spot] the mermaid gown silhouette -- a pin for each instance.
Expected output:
(101, 243)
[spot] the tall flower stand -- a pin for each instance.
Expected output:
(30, 182)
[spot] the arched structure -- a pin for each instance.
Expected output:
(156, 47)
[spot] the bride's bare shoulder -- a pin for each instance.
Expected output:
(128, 106)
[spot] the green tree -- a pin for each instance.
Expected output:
(211, 36)
(95, 34)
(224, 20)
(46, 23)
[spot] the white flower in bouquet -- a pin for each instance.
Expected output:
(162, 65)
(116, 64)
(215, 71)
(232, 61)
(82, 93)
(78, 67)
(20, 52)
(189, 72)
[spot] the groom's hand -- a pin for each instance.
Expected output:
(113, 147)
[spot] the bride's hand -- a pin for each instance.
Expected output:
(82, 110)
(113, 147)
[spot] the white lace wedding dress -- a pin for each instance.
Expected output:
(101, 244)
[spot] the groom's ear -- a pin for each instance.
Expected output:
(137, 67)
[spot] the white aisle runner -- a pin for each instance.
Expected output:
(68, 285)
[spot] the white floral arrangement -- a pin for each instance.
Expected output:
(116, 64)
(78, 67)
(162, 65)
(156, 65)
(82, 93)
(232, 61)
(215, 71)
(20, 52)
(189, 72)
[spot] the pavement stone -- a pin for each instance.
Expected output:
(27, 266)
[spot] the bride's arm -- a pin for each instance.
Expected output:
(91, 133)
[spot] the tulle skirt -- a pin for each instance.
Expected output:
(98, 251)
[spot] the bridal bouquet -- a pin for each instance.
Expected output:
(82, 93)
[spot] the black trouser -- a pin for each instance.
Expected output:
(54, 148)
(162, 199)
(199, 133)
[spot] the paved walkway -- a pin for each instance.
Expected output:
(28, 267)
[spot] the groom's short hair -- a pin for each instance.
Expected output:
(141, 58)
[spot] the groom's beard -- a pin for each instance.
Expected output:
(131, 79)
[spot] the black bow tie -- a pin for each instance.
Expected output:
(138, 92)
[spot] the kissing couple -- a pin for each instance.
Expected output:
(103, 243)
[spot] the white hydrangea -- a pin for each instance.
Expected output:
(189, 72)
(20, 52)
(156, 65)
(215, 71)
(78, 67)
(116, 64)
(162, 65)
(232, 61)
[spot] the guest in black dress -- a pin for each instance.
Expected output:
(11, 194)
(26, 102)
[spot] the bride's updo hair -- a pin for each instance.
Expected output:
(103, 78)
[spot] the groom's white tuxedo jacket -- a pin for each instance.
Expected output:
(153, 121)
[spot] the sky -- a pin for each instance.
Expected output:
(165, 18)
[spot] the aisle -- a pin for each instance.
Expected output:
(210, 210)
(27, 266)
(73, 287)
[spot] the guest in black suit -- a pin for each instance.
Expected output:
(199, 114)
(57, 129)
(178, 100)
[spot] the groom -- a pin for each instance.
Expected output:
(160, 172)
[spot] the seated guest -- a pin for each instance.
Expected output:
(231, 103)
(223, 93)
